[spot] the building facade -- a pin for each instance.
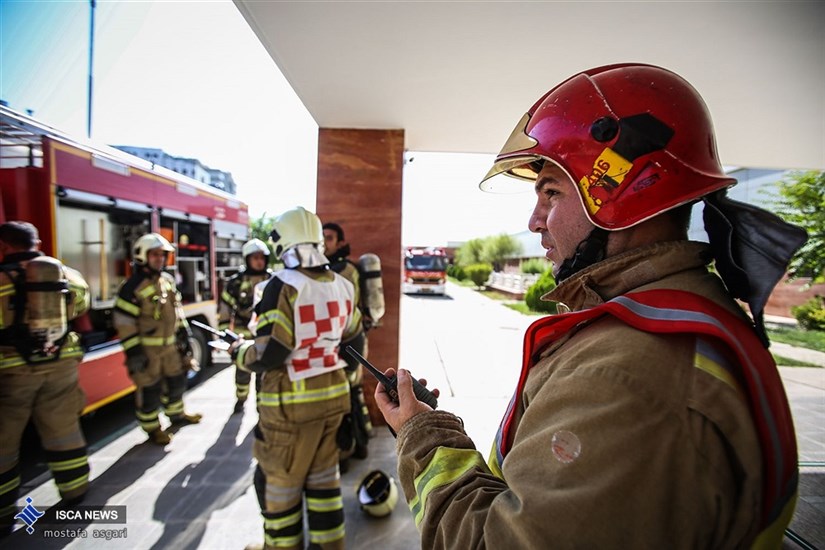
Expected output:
(192, 168)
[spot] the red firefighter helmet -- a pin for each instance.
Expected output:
(637, 139)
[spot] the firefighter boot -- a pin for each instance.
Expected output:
(239, 404)
(159, 437)
(186, 418)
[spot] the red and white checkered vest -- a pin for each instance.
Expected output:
(322, 311)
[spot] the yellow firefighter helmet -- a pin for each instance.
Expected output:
(254, 245)
(148, 242)
(294, 227)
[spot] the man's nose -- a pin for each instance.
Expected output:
(537, 220)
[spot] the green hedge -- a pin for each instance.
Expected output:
(456, 272)
(532, 298)
(811, 314)
(535, 266)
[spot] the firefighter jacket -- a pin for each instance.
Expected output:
(341, 264)
(620, 437)
(307, 312)
(77, 303)
(237, 299)
(148, 313)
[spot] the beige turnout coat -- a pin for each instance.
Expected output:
(668, 456)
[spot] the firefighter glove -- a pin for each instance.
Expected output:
(190, 363)
(183, 342)
(235, 348)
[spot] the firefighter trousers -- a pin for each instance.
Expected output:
(297, 462)
(162, 383)
(52, 399)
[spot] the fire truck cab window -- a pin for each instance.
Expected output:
(431, 263)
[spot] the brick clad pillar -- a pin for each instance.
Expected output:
(359, 187)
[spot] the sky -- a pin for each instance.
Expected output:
(192, 79)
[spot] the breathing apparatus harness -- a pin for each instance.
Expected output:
(37, 334)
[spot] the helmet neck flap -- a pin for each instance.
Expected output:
(304, 255)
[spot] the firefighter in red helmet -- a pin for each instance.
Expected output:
(650, 414)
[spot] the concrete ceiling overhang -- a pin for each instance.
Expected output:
(458, 76)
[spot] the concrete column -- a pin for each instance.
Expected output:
(359, 187)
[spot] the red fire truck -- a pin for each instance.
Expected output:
(425, 270)
(90, 203)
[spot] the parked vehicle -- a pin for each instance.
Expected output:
(90, 203)
(425, 270)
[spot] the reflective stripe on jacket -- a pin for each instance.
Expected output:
(237, 299)
(148, 310)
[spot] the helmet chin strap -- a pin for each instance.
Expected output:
(590, 251)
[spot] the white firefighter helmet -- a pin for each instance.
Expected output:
(254, 245)
(148, 242)
(294, 227)
(377, 494)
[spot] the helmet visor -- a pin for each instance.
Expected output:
(500, 178)
(524, 167)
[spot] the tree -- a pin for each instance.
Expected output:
(470, 252)
(489, 250)
(260, 228)
(498, 248)
(802, 202)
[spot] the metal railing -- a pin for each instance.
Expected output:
(515, 283)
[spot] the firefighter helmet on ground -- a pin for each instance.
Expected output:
(294, 227)
(148, 242)
(254, 245)
(636, 139)
(377, 494)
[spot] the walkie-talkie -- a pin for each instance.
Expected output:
(390, 384)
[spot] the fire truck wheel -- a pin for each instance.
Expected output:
(200, 350)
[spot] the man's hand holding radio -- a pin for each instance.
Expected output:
(397, 413)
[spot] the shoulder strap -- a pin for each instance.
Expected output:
(127, 291)
(15, 272)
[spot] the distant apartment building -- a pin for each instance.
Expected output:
(192, 168)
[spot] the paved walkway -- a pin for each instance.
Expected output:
(197, 493)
